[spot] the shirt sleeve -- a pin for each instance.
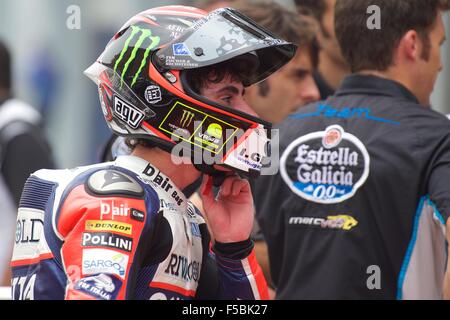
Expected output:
(438, 183)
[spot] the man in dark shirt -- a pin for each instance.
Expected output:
(361, 205)
(332, 66)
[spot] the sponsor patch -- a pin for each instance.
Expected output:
(140, 36)
(165, 205)
(180, 266)
(102, 286)
(180, 49)
(253, 160)
(112, 209)
(339, 222)
(197, 128)
(128, 113)
(343, 113)
(332, 137)
(326, 166)
(105, 225)
(137, 215)
(104, 261)
(163, 182)
(153, 94)
(105, 239)
(29, 240)
(29, 226)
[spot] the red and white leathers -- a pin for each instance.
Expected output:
(122, 230)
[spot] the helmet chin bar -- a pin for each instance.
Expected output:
(217, 175)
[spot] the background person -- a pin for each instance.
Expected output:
(332, 66)
(23, 150)
(362, 201)
(288, 89)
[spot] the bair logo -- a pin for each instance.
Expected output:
(128, 113)
(326, 166)
(111, 209)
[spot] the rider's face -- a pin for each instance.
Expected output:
(229, 93)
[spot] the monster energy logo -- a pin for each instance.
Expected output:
(187, 118)
(145, 34)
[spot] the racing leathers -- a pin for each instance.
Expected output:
(122, 230)
(359, 208)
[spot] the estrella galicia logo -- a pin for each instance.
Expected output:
(326, 166)
(180, 49)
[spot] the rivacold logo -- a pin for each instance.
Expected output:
(325, 167)
(181, 267)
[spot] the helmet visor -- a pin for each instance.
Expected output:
(223, 35)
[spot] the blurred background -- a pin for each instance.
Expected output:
(49, 60)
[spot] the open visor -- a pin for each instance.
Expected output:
(220, 36)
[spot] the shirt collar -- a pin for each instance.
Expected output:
(373, 85)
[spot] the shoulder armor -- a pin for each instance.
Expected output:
(114, 182)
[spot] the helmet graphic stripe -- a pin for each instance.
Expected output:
(155, 43)
(125, 47)
(146, 34)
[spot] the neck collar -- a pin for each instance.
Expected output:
(374, 85)
(151, 175)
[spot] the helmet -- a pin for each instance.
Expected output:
(144, 88)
